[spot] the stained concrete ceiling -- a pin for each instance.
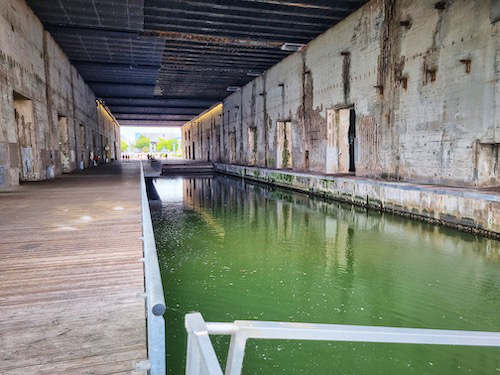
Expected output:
(162, 62)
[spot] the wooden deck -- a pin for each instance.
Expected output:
(71, 280)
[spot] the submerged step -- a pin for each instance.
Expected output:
(169, 168)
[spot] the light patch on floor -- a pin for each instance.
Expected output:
(65, 228)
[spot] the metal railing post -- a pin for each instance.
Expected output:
(201, 353)
(242, 330)
(155, 299)
(193, 356)
(236, 353)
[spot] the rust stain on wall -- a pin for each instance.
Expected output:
(311, 125)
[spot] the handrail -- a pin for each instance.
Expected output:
(155, 299)
(201, 355)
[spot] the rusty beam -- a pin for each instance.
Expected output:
(190, 37)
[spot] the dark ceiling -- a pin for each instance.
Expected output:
(162, 62)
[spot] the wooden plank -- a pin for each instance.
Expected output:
(71, 279)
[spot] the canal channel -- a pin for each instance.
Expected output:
(236, 250)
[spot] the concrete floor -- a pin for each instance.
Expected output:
(71, 282)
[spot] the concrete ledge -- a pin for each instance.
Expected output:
(466, 209)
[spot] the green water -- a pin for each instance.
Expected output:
(234, 250)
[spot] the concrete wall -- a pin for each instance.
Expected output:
(423, 84)
(43, 102)
(201, 138)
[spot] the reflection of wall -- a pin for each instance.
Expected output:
(197, 194)
(463, 209)
(290, 214)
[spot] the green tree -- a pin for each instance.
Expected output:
(123, 145)
(167, 144)
(142, 143)
(162, 144)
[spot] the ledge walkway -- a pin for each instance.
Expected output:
(71, 280)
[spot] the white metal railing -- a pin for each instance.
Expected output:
(202, 360)
(155, 299)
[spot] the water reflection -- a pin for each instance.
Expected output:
(238, 250)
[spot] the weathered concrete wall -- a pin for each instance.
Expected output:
(423, 84)
(109, 140)
(59, 93)
(467, 210)
(43, 102)
(201, 138)
(22, 70)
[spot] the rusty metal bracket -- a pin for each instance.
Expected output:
(440, 5)
(380, 89)
(405, 23)
(467, 63)
(404, 82)
(431, 74)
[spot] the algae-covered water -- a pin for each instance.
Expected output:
(234, 250)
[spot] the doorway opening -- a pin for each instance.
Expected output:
(341, 141)
(284, 145)
(232, 145)
(194, 156)
(64, 146)
(352, 140)
(252, 145)
(83, 146)
(209, 144)
(23, 114)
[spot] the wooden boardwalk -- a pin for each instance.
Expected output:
(71, 280)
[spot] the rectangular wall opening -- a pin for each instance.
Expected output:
(252, 145)
(83, 145)
(209, 144)
(65, 154)
(488, 164)
(23, 114)
(94, 145)
(341, 141)
(352, 140)
(232, 147)
(284, 144)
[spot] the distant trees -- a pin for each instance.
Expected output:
(167, 144)
(123, 145)
(142, 143)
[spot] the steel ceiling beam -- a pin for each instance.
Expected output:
(162, 123)
(154, 58)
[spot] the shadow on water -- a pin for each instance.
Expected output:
(233, 249)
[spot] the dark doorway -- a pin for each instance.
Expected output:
(194, 156)
(208, 151)
(352, 140)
